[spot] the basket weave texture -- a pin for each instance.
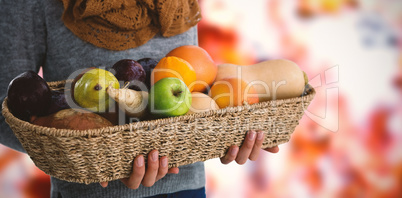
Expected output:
(106, 154)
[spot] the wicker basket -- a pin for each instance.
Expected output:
(107, 154)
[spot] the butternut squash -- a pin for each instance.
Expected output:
(273, 79)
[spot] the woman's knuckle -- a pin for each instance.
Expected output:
(249, 145)
(241, 161)
(225, 161)
(133, 186)
(253, 158)
(153, 168)
(148, 183)
(138, 173)
(162, 173)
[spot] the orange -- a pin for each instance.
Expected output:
(331, 6)
(174, 67)
(230, 92)
(204, 66)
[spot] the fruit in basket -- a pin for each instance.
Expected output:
(77, 119)
(76, 79)
(133, 103)
(148, 64)
(174, 67)
(232, 91)
(169, 97)
(204, 66)
(28, 94)
(128, 70)
(201, 102)
(90, 89)
(58, 101)
(274, 79)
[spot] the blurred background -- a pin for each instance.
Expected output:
(349, 142)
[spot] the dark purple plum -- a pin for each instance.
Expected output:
(28, 95)
(148, 64)
(128, 70)
(58, 102)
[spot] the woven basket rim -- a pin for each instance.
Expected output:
(149, 123)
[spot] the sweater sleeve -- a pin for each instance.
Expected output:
(22, 48)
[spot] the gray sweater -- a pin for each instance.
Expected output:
(33, 35)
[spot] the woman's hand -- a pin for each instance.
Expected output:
(249, 150)
(156, 169)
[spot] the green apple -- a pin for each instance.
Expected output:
(90, 90)
(169, 97)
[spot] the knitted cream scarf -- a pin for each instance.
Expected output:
(124, 24)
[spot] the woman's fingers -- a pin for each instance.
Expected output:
(246, 148)
(104, 184)
(273, 149)
(249, 150)
(257, 146)
(156, 169)
(174, 170)
(136, 176)
(230, 155)
(152, 169)
(163, 168)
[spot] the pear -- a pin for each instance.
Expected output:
(90, 91)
